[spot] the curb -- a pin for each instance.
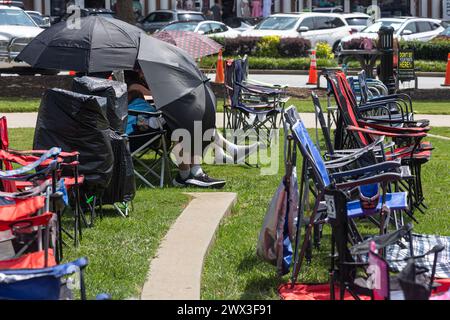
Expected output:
(176, 270)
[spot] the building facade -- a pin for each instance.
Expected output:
(423, 8)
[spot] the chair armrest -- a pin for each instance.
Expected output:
(394, 129)
(388, 134)
(376, 168)
(146, 113)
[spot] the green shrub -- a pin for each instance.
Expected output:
(436, 50)
(268, 46)
(324, 50)
(294, 47)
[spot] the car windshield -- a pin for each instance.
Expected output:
(181, 26)
(15, 18)
(190, 17)
(277, 23)
(374, 28)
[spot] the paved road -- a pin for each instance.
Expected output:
(28, 120)
(300, 81)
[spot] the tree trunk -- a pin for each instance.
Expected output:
(124, 11)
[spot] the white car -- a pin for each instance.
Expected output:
(357, 21)
(316, 27)
(409, 28)
(209, 28)
(17, 29)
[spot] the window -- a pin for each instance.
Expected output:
(15, 18)
(217, 28)
(205, 28)
(159, 17)
(336, 22)
(357, 21)
(190, 17)
(435, 26)
(424, 26)
(322, 23)
(277, 23)
(411, 27)
(184, 26)
(308, 22)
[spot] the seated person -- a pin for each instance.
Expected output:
(136, 102)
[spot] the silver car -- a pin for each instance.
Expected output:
(17, 29)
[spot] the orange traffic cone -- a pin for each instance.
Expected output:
(313, 69)
(447, 74)
(72, 73)
(220, 73)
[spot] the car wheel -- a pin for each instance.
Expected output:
(336, 47)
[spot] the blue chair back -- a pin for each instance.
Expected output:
(38, 284)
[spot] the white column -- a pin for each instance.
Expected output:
(238, 7)
(164, 4)
(277, 6)
(47, 7)
(287, 6)
(435, 10)
(300, 5)
(412, 10)
(347, 6)
(151, 5)
(424, 11)
(309, 5)
(108, 4)
(37, 5)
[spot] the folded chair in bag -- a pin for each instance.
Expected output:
(150, 142)
(249, 108)
(78, 122)
(316, 169)
(114, 91)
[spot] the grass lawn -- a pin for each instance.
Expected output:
(232, 269)
(119, 249)
(303, 105)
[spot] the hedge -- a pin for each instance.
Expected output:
(435, 50)
(264, 63)
(270, 46)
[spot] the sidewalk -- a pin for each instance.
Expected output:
(28, 119)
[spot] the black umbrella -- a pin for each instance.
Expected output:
(96, 44)
(180, 90)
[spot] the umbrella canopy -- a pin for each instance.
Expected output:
(180, 90)
(195, 44)
(98, 45)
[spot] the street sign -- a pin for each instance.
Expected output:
(406, 70)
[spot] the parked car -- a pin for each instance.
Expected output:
(41, 21)
(445, 33)
(241, 23)
(357, 21)
(316, 27)
(18, 4)
(157, 20)
(209, 27)
(405, 28)
(17, 29)
(336, 9)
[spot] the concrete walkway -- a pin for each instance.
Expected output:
(176, 271)
(28, 119)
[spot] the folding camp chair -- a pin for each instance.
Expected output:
(347, 259)
(67, 176)
(359, 132)
(21, 212)
(144, 143)
(39, 283)
(316, 169)
(249, 108)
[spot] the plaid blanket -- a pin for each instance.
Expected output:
(421, 244)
